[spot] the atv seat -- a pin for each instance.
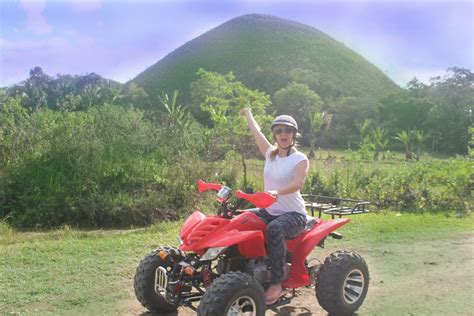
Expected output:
(310, 222)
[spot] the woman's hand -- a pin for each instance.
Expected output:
(262, 143)
(244, 111)
(273, 193)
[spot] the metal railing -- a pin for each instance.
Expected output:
(334, 206)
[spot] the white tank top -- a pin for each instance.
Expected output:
(277, 174)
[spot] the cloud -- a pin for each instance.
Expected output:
(55, 55)
(6, 45)
(35, 21)
(85, 5)
(422, 74)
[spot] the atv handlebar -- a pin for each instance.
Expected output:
(259, 199)
(204, 186)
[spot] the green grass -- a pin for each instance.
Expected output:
(392, 227)
(70, 271)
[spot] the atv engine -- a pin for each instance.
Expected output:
(260, 271)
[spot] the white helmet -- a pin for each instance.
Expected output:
(285, 120)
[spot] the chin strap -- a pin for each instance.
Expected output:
(289, 147)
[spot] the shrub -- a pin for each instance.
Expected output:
(107, 166)
(429, 186)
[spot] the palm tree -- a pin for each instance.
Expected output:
(405, 138)
(366, 144)
(379, 136)
(419, 137)
(470, 145)
(318, 121)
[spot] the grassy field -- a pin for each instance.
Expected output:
(71, 272)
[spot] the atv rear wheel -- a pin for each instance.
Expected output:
(234, 293)
(144, 281)
(342, 283)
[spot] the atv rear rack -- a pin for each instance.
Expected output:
(334, 206)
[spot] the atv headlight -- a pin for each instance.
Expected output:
(212, 253)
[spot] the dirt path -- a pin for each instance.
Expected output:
(428, 277)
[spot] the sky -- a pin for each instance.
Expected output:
(120, 39)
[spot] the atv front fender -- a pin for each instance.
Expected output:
(191, 222)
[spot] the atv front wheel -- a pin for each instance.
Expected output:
(234, 293)
(342, 283)
(144, 281)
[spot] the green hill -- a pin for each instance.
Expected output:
(267, 53)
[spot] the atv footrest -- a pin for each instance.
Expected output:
(282, 301)
(336, 235)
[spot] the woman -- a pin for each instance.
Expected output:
(284, 175)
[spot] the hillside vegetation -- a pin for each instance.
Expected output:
(268, 53)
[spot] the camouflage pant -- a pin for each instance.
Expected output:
(279, 229)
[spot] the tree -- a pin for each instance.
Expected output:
(131, 94)
(299, 101)
(34, 90)
(318, 121)
(443, 109)
(419, 137)
(221, 97)
(403, 112)
(380, 140)
(470, 146)
(13, 121)
(417, 88)
(405, 138)
(346, 112)
(451, 116)
(366, 144)
(74, 93)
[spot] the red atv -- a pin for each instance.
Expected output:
(221, 263)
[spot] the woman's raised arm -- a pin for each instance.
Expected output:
(262, 142)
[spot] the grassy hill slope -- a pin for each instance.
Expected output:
(267, 53)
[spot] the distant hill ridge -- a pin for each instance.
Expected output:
(268, 53)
